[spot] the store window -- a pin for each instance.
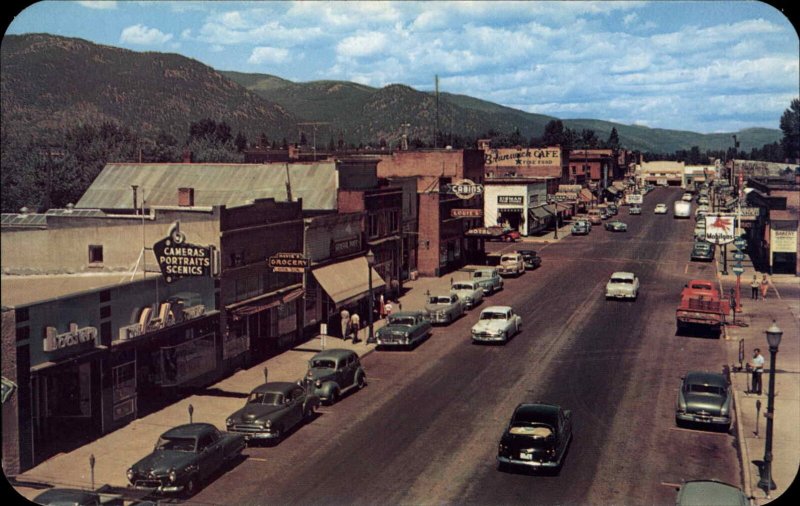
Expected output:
(123, 377)
(95, 254)
(188, 360)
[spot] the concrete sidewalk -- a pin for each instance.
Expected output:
(753, 321)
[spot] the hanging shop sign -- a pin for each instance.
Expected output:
(783, 241)
(466, 213)
(464, 189)
(511, 199)
(179, 259)
(720, 228)
(346, 246)
(54, 341)
(288, 262)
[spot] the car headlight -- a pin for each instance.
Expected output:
(173, 476)
(406, 340)
(268, 424)
(229, 421)
(129, 474)
(318, 383)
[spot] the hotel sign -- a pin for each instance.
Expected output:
(523, 157)
(288, 262)
(179, 259)
(466, 213)
(517, 200)
(54, 341)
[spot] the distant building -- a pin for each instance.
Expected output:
(771, 223)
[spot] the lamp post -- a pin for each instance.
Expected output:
(774, 334)
(370, 263)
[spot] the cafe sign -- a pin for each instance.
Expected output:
(528, 157)
(288, 262)
(179, 259)
(54, 341)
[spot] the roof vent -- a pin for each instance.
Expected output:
(186, 197)
(23, 211)
(70, 207)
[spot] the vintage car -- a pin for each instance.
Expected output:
(595, 216)
(511, 264)
(184, 457)
(332, 373)
(613, 209)
(700, 230)
(634, 210)
(660, 209)
(705, 398)
(272, 410)
(580, 228)
(537, 436)
(496, 323)
(703, 250)
(531, 259)
(444, 309)
(622, 285)
(488, 278)
(468, 291)
(77, 497)
(404, 329)
(687, 197)
(616, 226)
(703, 200)
(705, 492)
(701, 211)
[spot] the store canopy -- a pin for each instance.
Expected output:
(540, 213)
(264, 302)
(344, 282)
(586, 195)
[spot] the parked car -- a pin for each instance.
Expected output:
(705, 398)
(700, 230)
(687, 197)
(496, 323)
(701, 211)
(703, 200)
(272, 410)
(511, 264)
(595, 216)
(444, 308)
(488, 278)
(537, 436)
(184, 457)
(705, 492)
(660, 209)
(404, 328)
(703, 250)
(531, 259)
(622, 285)
(616, 226)
(635, 210)
(580, 228)
(332, 373)
(76, 497)
(613, 209)
(468, 291)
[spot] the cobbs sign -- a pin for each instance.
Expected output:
(178, 259)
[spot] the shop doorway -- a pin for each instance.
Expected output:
(511, 219)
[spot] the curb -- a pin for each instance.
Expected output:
(744, 455)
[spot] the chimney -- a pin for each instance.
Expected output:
(186, 197)
(187, 156)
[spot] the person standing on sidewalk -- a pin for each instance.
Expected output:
(355, 326)
(754, 288)
(757, 367)
(764, 287)
(345, 314)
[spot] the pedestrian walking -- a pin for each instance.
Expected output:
(388, 309)
(345, 314)
(382, 308)
(355, 326)
(764, 287)
(754, 285)
(757, 369)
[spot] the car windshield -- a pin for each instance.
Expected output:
(401, 320)
(323, 362)
(463, 286)
(508, 258)
(702, 246)
(705, 389)
(176, 444)
(622, 280)
(439, 300)
(268, 398)
(493, 316)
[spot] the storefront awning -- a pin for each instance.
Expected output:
(586, 195)
(349, 280)
(264, 302)
(539, 213)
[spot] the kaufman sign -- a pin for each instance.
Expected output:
(720, 228)
(179, 259)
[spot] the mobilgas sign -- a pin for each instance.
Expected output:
(179, 259)
(720, 228)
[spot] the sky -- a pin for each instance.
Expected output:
(713, 66)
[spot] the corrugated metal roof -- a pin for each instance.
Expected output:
(213, 183)
(11, 220)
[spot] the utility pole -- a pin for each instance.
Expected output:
(436, 131)
(314, 125)
(404, 141)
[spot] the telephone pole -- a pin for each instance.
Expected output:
(314, 125)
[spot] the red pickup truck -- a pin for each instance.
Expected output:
(702, 306)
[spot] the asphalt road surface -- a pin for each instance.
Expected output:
(426, 428)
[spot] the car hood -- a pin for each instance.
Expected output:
(432, 308)
(704, 402)
(397, 330)
(252, 412)
(321, 373)
(484, 325)
(161, 461)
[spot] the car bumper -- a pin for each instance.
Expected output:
(485, 338)
(546, 464)
(393, 344)
(509, 272)
(157, 487)
(252, 434)
(620, 296)
(440, 319)
(706, 419)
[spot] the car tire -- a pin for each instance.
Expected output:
(190, 488)
(309, 414)
(505, 336)
(334, 398)
(503, 467)
(361, 382)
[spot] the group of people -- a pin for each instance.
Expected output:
(351, 322)
(757, 286)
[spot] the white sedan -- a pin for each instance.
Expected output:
(660, 209)
(497, 323)
(622, 285)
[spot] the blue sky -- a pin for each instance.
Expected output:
(715, 66)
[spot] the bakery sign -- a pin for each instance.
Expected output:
(178, 259)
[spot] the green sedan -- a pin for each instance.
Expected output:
(616, 226)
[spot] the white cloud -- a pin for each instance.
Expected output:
(630, 19)
(99, 5)
(268, 55)
(364, 44)
(142, 35)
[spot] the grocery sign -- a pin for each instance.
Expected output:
(288, 262)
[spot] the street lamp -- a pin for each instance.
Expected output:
(774, 334)
(370, 263)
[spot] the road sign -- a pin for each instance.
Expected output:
(740, 243)
(737, 269)
(738, 255)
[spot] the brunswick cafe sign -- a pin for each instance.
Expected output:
(179, 259)
(464, 189)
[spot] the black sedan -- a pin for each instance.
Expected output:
(536, 437)
(703, 251)
(531, 259)
(272, 410)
